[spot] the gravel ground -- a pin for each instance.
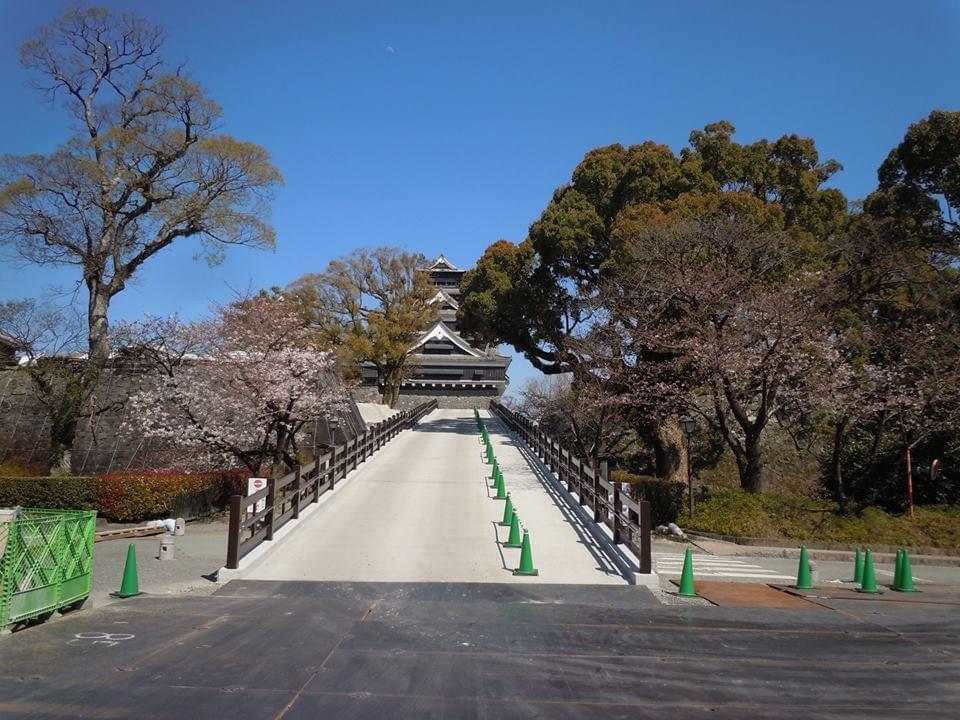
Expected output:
(201, 551)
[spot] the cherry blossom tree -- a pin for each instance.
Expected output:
(237, 388)
(715, 318)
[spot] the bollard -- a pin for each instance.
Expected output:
(180, 528)
(167, 548)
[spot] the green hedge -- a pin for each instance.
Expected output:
(59, 493)
(125, 497)
(666, 498)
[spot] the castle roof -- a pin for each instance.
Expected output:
(441, 263)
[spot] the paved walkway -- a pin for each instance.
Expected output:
(422, 510)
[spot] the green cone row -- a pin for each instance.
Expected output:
(903, 575)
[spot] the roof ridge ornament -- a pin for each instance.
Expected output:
(441, 263)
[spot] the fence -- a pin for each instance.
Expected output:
(283, 498)
(47, 563)
(628, 519)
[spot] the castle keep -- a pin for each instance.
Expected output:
(442, 364)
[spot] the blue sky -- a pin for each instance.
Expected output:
(443, 126)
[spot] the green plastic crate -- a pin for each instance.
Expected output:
(47, 563)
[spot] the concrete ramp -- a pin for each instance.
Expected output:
(423, 511)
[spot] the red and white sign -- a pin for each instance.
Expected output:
(255, 485)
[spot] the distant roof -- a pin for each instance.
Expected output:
(441, 263)
(441, 296)
(441, 332)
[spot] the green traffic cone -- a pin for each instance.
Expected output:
(493, 474)
(906, 575)
(490, 456)
(687, 586)
(130, 585)
(526, 558)
(507, 512)
(869, 582)
(896, 570)
(514, 540)
(858, 567)
(804, 579)
(501, 489)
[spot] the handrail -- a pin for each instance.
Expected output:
(284, 497)
(628, 519)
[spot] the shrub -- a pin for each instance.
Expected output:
(665, 497)
(125, 497)
(59, 493)
(766, 516)
(728, 512)
(128, 497)
(16, 468)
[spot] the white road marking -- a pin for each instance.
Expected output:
(714, 566)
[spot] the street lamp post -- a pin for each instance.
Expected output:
(689, 427)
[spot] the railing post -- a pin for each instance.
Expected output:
(333, 466)
(233, 533)
(645, 562)
(597, 476)
(582, 483)
(271, 506)
(617, 513)
(296, 491)
(319, 481)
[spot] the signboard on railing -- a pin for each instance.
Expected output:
(255, 485)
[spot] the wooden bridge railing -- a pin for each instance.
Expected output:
(628, 519)
(284, 497)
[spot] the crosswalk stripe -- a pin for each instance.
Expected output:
(713, 566)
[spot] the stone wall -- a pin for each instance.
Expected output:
(101, 445)
(450, 399)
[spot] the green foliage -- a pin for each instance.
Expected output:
(59, 493)
(369, 306)
(666, 498)
(735, 512)
(125, 497)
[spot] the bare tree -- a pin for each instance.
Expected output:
(145, 167)
(48, 338)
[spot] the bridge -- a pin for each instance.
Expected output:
(374, 582)
(425, 510)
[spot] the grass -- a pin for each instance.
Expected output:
(768, 516)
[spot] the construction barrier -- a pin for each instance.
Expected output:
(46, 564)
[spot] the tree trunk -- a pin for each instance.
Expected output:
(392, 380)
(63, 432)
(751, 474)
(99, 331)
(836, 470)
(670, 451)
